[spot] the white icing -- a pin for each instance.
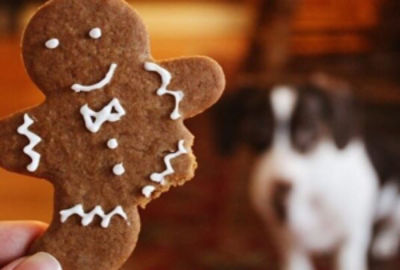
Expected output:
(112, 143)
(119, 169)
(95, 33)
(160, 177)
(87, 218)
(165, 81)
(88, 88)
(103, 116)
(52, 43)
(147, 191)
(33, 141)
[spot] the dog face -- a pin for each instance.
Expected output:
(308, 113)
(310, 120)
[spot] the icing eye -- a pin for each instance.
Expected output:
(52, 43)
(95, 33)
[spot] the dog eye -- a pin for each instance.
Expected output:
(95, 33)
(52, 43)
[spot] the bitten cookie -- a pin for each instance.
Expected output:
(110, 136)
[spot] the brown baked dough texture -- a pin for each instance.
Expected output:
(77, 161)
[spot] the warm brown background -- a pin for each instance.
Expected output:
(208, 223)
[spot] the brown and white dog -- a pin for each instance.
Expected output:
(318, 184)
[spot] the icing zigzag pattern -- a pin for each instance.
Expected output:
(33, 141)
(160, 177)
(87, 218)
(165, 81)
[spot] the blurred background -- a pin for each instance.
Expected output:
(208, 223)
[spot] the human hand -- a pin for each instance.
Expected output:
(15, 240)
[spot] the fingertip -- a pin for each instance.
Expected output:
(14, 264)
(16, 237)
(39, 261)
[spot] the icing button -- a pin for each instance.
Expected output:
(112, 144)
(52, 43)
(95, 33)
(119, 169)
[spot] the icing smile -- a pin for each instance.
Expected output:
(107, 79)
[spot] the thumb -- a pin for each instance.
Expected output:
(39, 261)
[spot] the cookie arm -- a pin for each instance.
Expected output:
(201, 80)
(14, 133)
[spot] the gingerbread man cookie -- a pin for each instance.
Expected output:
(110, 135)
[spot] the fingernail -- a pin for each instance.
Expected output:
(40, 261)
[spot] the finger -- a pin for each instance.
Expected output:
(14, 264)
(39, 261)
(16, 238)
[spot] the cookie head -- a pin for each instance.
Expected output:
(72, 42)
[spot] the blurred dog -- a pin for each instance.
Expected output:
(315, 183)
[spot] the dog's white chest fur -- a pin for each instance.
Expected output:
(331, 193)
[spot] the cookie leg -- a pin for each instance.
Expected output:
(95, 245)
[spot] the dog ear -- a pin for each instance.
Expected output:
(243, 117)
(345, 120)
(344, 116)
(229, 114)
